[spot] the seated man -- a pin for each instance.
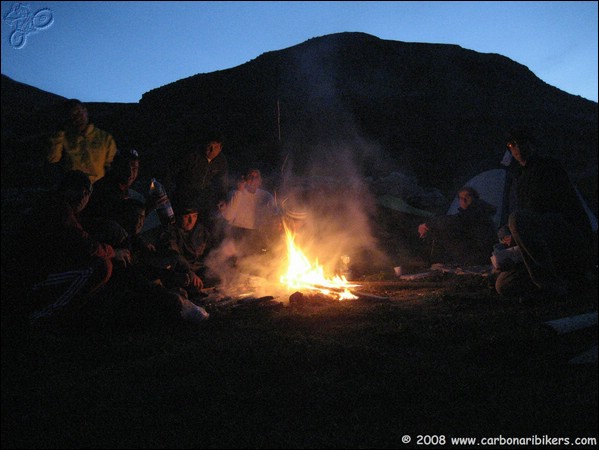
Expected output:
(99, 216)
(464, 238)
(146, 290)
(251, 215)
(184, 244)
(69, 266)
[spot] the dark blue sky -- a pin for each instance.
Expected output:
(116, 51)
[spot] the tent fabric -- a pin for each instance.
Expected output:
(592, 217)
(398, 204)
(491, 186)
(495, 187)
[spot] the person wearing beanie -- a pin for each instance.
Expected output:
(185, 243)
(550, 226)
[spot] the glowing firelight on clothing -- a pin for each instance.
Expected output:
(302, 275)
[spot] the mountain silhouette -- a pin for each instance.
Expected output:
(435, 111)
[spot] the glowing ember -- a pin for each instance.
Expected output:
(301, 274)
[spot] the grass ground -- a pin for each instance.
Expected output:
(441, 358)
(446, 358)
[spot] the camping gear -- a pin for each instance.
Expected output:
(505, 257)
(495, 187)
(398, 204)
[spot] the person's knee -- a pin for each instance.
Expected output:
(102, 270)
(504, 286)
(500, 287)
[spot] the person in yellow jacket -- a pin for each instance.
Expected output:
(80, 145)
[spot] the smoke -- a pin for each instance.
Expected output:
(339, 206)
(321, 190)
(330, 209)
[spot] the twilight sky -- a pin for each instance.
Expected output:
(116, 51)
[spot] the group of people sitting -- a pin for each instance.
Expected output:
(92, 223)
(80, 255)
(94, 242)
(93, 220)
(548, 234)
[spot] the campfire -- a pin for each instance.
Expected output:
(304, 276)
(309, 266)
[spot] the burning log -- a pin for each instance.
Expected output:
(300, 299)
(297, 298)
(261, 302)
(254, 300)
(302, 274)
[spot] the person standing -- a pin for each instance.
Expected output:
(80, 145)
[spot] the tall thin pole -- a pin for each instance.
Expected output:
(279, 119)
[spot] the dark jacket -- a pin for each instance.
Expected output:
(543, 187)
(466, 237)
(61, 243)
(107, 195)
(189, 246)
(200, 182)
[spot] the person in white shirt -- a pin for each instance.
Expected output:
(250, 214)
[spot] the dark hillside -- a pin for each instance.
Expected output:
(395, 105)
(347, 101)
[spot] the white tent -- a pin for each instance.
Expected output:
(495, 187)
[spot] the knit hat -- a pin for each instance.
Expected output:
(186, 207)
(126, 156)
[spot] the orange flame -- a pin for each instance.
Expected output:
(301, 274)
